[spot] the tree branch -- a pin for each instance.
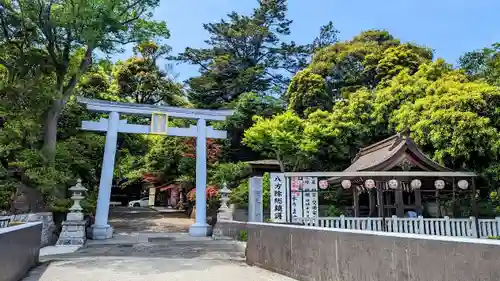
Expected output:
(84, 65)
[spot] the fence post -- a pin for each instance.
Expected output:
(447, 225)
(421, 225)
(474, 229)
(395, 225)
(497, 226)
(342, 222)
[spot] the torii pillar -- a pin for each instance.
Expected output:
(113, 125)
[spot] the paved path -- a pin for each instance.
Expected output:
(148, 255)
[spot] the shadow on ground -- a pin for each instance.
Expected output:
(126, 220)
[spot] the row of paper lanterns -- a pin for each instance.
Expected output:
(414, 184)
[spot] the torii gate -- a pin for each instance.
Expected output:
(113, 125)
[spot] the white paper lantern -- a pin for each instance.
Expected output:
(463, 184)
(393, 184)
(323, 184)
(346, 184)
(416, 184)
(439, 184)
(370, 184)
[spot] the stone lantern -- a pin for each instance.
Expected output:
(224, 210)
(73, 228)
(75, 213)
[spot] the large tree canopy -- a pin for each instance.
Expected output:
(247, 53)
(369, 59)
(57, 39)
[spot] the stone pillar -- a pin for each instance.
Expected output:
(73, 228)
(152, 196)
(101, 229)
(200, 228)
(255, 208)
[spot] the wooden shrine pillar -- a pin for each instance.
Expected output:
(372, 199)
(355, 197)
(380, 200)
(438, 204)
(418, 201)
(475, 212)
(398, 196)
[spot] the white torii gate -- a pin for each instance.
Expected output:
(113, 125)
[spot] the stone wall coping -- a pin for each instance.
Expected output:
(18, 227)
(387, 234)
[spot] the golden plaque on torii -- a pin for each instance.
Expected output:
(159, 123)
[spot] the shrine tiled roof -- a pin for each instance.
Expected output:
(394, 151)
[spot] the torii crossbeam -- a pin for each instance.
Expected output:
(113, 125)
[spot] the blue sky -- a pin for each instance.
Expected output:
(450, 27)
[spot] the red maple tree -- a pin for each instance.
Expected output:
(213, 150)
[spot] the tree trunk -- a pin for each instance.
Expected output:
(282, 165)
(50, 131)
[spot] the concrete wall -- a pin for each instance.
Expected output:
(49, 236)
(309, 253)
(19, 250)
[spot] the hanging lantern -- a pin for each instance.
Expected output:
(393, 184)
(463, 184)
(416, 184)
(370, 184)
(346, 184)
(439, 184)
(323, 184)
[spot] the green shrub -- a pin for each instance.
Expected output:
(243, 235)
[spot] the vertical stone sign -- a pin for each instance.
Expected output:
(255, 206)
(152, 196)
(279, 204)
(296, 190)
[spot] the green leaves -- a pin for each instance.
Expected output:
(281, 137)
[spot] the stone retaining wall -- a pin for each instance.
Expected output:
(48, 235)
(19, 250)
(309, 253)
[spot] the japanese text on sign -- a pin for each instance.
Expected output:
(278, 198)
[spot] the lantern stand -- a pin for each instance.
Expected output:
(73, 228)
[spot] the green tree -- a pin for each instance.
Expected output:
(140, 80)
(372, 57)
(60, 38)
(307, 93)
(483, 64)
(246, 107)
(248, 53)
(281, 137)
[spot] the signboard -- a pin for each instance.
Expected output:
(310, 188)
(296, 188)
(152, 194)
(279, 206)
(255, 206)
(159, 123)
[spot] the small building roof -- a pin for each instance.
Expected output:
(265, 162)
(397, 150)
(259, 167)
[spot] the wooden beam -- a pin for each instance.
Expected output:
(385, 174)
